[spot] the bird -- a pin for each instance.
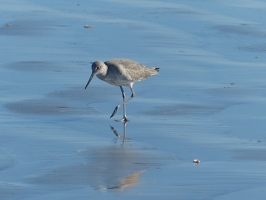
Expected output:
(121, 72)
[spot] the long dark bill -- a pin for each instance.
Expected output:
(89, 80)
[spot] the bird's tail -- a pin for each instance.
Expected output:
(157, 69)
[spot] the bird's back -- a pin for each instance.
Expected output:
(128, 71)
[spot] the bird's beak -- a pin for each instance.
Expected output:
(89, 80)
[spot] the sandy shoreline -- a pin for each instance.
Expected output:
(208, 102)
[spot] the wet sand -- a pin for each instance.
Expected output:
(208, 101)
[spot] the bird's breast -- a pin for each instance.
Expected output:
(114, 80)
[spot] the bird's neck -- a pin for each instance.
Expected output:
(101, 76)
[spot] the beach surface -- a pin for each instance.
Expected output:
(207, 102)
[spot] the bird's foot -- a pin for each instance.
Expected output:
(115, 110)
(124, 120)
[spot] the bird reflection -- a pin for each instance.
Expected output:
(106, 167)
(125, 131)
(128, 181)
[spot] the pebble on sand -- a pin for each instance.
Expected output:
(87, 26)
(196, 161)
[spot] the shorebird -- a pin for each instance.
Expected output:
(121, 72)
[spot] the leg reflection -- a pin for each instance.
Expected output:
(125, 131)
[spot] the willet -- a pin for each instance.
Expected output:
(121, 72)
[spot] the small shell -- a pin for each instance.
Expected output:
(87, 26)
(196, 161)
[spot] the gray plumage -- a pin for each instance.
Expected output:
(121, 72)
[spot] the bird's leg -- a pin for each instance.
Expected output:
(124, 119)
(118, 106)
(132, 95)
(124, 102)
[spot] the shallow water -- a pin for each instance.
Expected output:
(207, 102)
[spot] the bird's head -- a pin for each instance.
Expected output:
(97, 67)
